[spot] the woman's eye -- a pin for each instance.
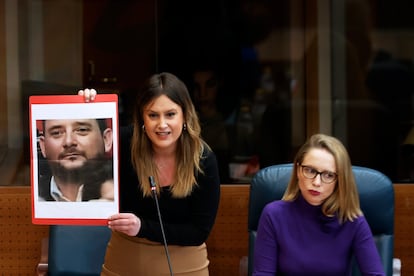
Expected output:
(171, 114)
(152, 115)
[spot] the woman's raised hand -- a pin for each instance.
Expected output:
(88, 94)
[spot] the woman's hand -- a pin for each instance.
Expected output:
(126, 223)
(88, 94)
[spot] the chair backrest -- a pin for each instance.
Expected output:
(77, 250)
(376, 195)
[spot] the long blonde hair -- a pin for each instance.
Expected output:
(344, 201)
(190, 145)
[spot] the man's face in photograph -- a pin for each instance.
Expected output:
(69, 145)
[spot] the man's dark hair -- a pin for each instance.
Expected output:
(101, 123)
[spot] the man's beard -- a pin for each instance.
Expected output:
(76, 175)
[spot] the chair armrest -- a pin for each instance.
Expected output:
(42, 266)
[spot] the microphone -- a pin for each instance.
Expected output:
(154, 195)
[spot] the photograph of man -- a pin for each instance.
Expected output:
(75, 160)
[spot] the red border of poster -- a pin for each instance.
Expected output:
(68, 106)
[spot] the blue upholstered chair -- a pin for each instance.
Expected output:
(376, 195)
(77, 250)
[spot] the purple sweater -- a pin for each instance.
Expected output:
(295, 238)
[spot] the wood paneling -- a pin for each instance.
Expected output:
(228, 241)
(21, 241)
(404, 227)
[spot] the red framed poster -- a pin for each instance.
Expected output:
(74, 159)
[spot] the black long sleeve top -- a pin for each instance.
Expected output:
(187, 221)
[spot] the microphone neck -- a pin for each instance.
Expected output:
(154, 195)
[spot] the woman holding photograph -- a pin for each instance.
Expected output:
(164, 142)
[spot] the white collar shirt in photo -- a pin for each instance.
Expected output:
(57, 194)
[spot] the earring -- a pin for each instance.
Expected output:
(184, 126)
(143, 128)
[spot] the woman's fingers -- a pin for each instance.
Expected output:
(126, 223)
(88, 94)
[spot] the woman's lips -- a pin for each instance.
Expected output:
(314, 193)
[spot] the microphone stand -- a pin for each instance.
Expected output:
(154, 194)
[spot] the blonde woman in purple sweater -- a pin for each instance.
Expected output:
(318, 225)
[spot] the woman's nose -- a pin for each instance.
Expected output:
(163, 122)
(317, 181)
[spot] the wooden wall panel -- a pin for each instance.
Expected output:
(228, 241)
(20, 240)
(404, 227)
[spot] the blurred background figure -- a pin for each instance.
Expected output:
(206, 94)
